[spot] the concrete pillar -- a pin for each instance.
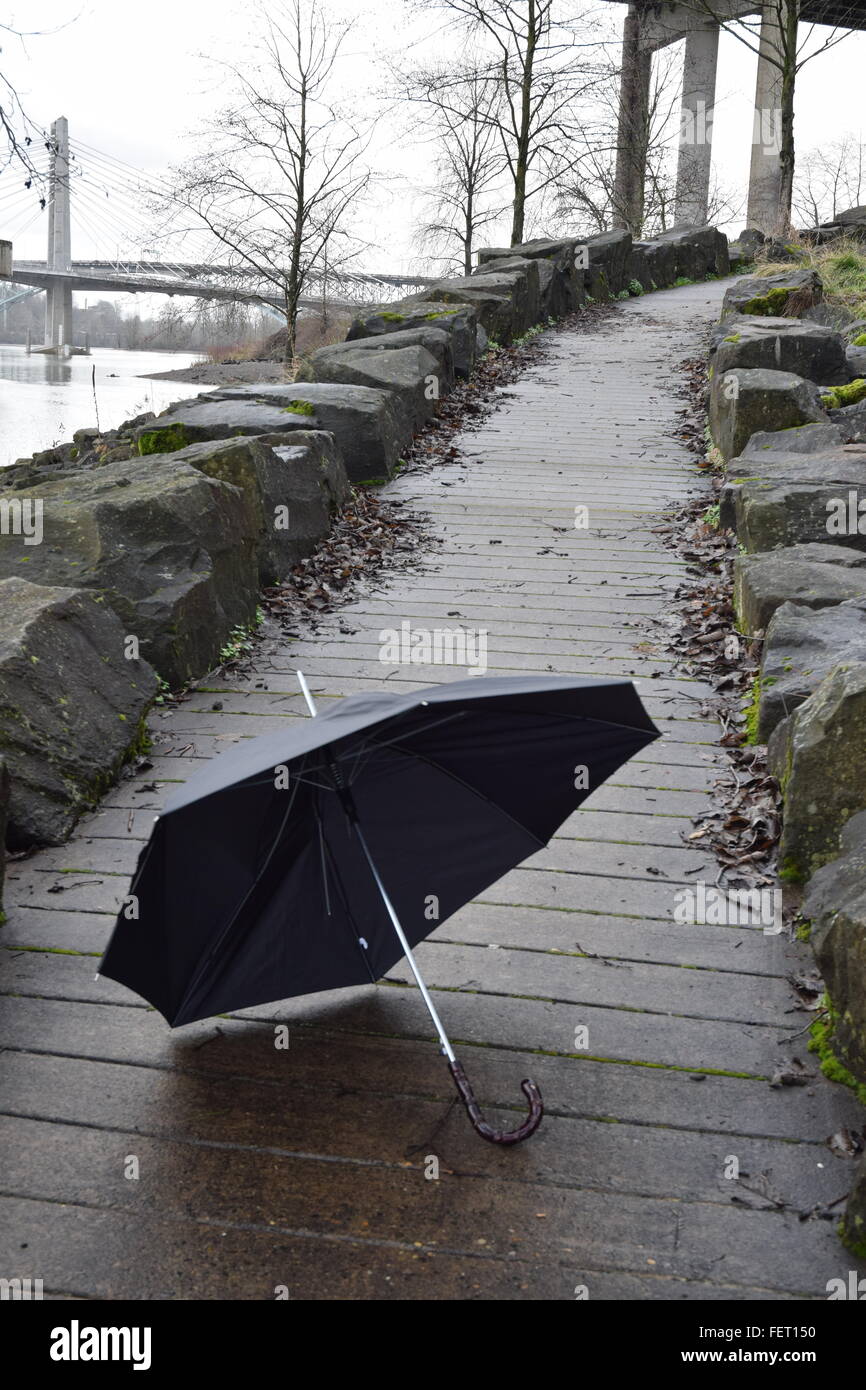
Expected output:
(765, 175)
(58, 308)
(631, 143)
(696, 126)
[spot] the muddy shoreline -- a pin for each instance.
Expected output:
(225, 373)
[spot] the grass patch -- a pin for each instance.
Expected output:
(841, 265)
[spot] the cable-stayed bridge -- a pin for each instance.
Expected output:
(107, 200)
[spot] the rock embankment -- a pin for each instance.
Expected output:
(787, 413)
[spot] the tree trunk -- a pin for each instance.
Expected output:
(790, 18)
(467, 238)
(522, 161)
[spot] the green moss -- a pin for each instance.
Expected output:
(299, 408)
(804, 931)
(768, 305)
(851, 1240)
(753, 710)
(792, 872)
(683, 280)
(860, 340)
(164, 440)
(441, 313)
(822, 1034)
(390, 317)
(838, 396)
(734, 338)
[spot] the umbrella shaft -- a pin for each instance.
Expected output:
(347, 800)
(407, 949)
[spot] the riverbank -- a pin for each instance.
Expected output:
(225, 373)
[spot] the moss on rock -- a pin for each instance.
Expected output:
(768, 305)
(839, 396)
(164, 440)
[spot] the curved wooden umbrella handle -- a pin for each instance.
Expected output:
(497, 1136)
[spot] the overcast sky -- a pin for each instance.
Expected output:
(133, 81)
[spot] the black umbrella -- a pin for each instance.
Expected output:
(266, 874)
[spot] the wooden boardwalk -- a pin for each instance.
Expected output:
(307, 1169)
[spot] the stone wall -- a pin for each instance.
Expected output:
(128, 558)
(787, 414)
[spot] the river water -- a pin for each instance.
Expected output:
(43, 400)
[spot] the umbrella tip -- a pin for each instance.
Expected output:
(305, 691)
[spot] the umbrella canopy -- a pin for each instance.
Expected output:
(253, 887)
(282, 867)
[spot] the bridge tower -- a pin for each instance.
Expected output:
(58, 305)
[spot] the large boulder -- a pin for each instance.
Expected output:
(801, 439)
(698, 251)
(561, 292)
(639, 270)
(747, 400)
(785, 345)
(410, 371)
(521, 281)
(295, 490)
(170, 549)
(458, 320)
(835, 905)
(817, 755)
(764, 452)
(800, 649)
(852, 221)
(541, 272)
(787, 294)
(72, 705)
(370, 429)
(784, 499)
(850, 420)
(606, 255)
(491, 300)
(816, 576)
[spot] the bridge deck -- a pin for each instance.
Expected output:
(306, 1168)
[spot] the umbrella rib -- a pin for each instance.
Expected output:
(447, 772)
(413, 753)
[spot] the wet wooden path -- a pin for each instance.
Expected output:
(308, 1170)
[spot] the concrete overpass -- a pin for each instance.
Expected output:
(651, 25)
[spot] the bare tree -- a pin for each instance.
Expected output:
(829, 179)
(776, 34)
(282, 170)
(21, 135)
(542, 60)
(459, 114)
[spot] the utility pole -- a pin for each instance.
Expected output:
(58, 308)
